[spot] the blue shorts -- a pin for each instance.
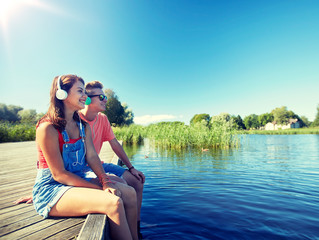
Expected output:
(108, 168)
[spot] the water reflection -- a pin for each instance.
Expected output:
(131, 150)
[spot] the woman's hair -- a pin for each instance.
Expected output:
(55, 113)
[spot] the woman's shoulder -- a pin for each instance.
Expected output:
(47, 128)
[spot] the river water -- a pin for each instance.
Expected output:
(266, 189)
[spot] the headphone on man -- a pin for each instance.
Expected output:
(88, 101)
(60, 93)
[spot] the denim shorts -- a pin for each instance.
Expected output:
(108, 168)
(46, 192)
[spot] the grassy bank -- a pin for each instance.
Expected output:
(314, 130)
(165, 134)
(10, 132)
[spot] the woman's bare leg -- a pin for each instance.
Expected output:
(82, 201)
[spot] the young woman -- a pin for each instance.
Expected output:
(65, 147)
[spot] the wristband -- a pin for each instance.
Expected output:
(129, 169)
(104, 179)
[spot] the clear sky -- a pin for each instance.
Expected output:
(167, 59)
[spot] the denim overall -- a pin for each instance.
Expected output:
(46, 191)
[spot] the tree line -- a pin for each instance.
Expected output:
(280, 115)
(118, 113)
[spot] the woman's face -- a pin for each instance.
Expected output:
(76, 97)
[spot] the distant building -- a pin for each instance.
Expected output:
(293, 123)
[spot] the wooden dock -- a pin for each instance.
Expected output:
(17, 175)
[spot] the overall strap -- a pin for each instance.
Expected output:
(65, 136)
(82, 129)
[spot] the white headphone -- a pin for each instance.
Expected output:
(60, 93)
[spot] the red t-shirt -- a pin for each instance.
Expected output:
(42, 163)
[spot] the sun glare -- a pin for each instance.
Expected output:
(7, 7)
(10, 7)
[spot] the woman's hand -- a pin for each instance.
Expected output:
(112, 188)
(109, 186)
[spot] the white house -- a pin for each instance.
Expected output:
(293, 123)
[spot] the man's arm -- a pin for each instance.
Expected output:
(119, 151)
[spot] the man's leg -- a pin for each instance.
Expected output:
(138, 186)
(131, 181)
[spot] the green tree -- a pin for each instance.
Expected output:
(238, 122)
(114, 111)
(128, 114)
(199, 118)
(265, 118)
(316, 121)
(117, 114)
(281, 115)
(9, 113)
(251, 121)
(28, 116)
(306, 122)
(225, 117)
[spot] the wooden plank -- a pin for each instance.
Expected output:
(57, 225)
(17, 175)
(68, 234)
(94, 228)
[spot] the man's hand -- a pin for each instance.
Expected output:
(26, 199)
(139, 175)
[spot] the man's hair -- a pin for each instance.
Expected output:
(94, 84)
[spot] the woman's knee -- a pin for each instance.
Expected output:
(113, 205)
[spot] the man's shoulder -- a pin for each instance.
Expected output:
(102, 117)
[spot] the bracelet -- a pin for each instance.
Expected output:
(104, 179)
(129, 169)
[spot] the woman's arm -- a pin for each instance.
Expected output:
(48, 139)
(95, 164)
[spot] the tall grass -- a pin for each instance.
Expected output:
(177, 135)
(132, 134)
(11, 132)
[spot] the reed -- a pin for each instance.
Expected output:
(170, 135)
(132, 134)
(177, 135)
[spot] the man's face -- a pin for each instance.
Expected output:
(96, 102)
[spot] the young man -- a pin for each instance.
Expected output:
(101, 132)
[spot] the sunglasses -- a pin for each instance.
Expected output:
(101, 96)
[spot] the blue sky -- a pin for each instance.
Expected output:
(167, 59)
